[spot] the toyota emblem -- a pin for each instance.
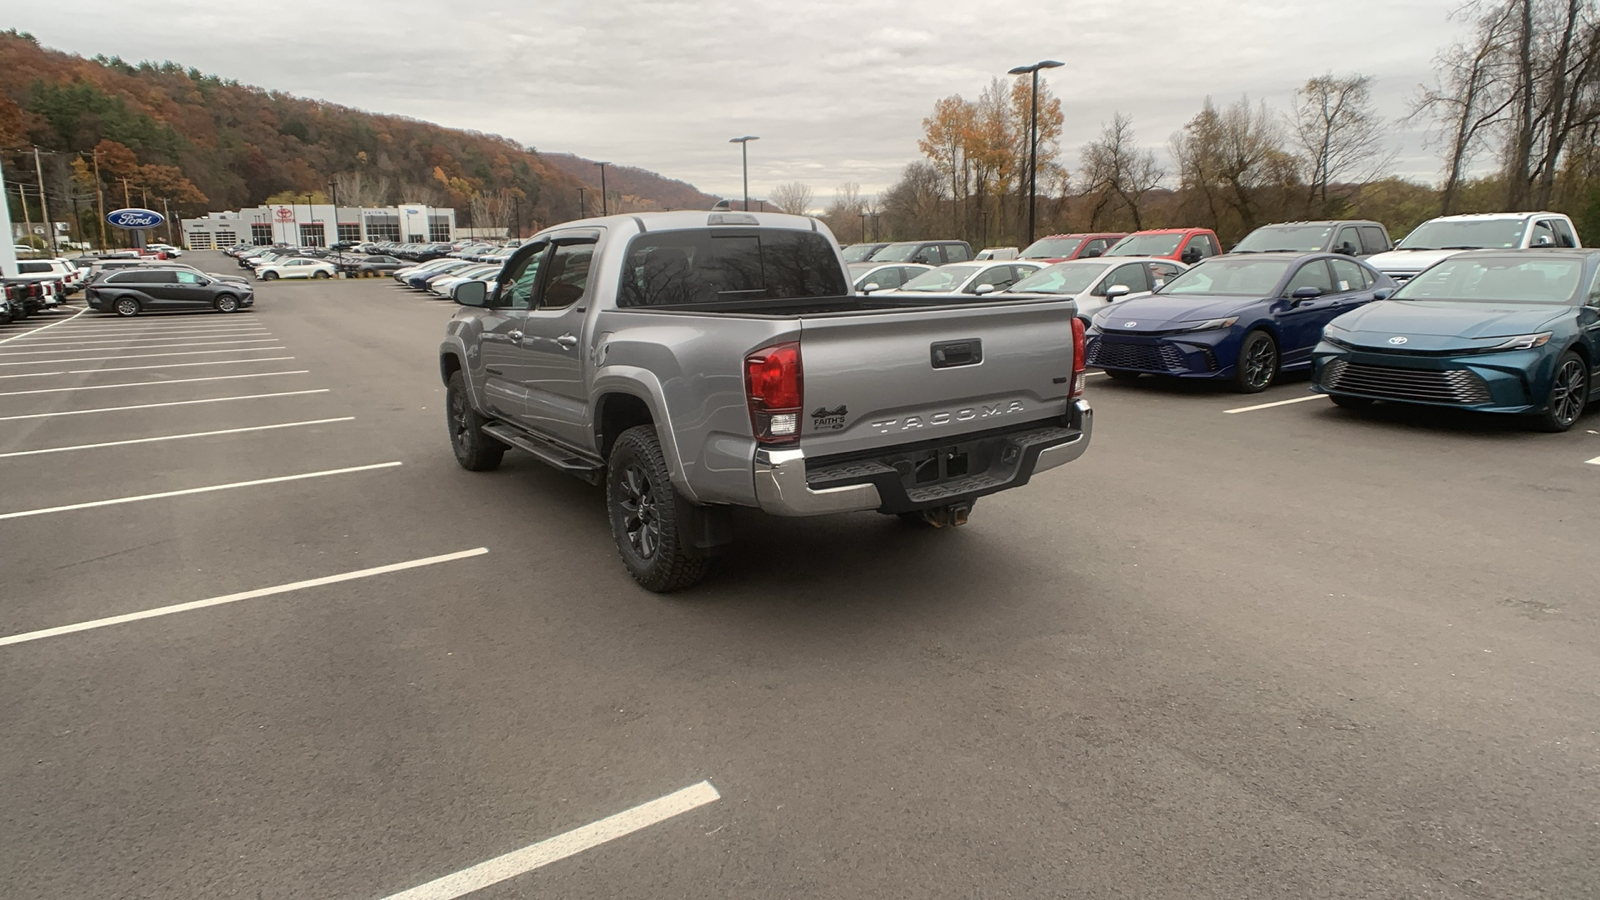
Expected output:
(1129, 324)
(1398, 339)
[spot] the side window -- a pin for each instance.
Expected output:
(1133, 276)
(928, 255)
(517, 290)
(188, 278)
(1161, 273)
(1020, 272)
(1096, 247)
(568, 278)
(887, 278)
(1543, 234)
(1348, 276)
(999, 277)
(1373, 240)
(1312, 274)
(1564, 236)
(956, 253)
(1347, 242)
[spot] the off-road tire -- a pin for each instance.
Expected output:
(474, 450)
(643, 508)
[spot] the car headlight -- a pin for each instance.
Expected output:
(1209, 324)
(1520, 342)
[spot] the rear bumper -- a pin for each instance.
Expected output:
(892, 480)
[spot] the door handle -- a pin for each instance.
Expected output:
(567, 341)
(515, 336)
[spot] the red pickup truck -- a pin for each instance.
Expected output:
(1062, 247)
(1187, 245)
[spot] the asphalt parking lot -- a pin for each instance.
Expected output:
(260, 636)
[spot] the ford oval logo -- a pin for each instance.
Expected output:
(1129, 324)
(136, 219)
(1397, 339)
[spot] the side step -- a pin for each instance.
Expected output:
(586, 467)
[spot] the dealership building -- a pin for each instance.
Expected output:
(318, 225)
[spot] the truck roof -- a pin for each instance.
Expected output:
(695, 218)
(1468, 217)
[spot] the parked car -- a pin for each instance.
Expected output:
(1062, 247)
(296, 267)
(970, 278)
(440, 284)
(1239, 318)
(871, 276)
(932, 253)
(1492, 331)
(373, 266)
(70, 276)
(1186, 245)
(1446, 236)
(171, 251)
(859, 253)
(908, 408)
(1352, 237)
(132, 291)
(997, 253)
(418, 279)
(1096, 283)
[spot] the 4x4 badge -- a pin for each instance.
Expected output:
(825, 419)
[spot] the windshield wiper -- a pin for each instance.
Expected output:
(1461, 248)
(1418, 248)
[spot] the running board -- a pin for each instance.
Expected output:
(587, 468)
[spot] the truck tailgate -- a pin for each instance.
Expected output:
(903, 376)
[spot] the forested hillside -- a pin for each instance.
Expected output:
(160, 132)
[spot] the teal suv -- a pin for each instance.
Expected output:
(1498, 331)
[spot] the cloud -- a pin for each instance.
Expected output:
(836, 90)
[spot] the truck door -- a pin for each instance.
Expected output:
(554, 344)
(504, 364)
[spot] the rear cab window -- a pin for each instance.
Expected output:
(694, 266)
(1373, 240)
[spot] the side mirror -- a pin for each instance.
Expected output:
(1306, 293)
(1091, 254)
(1382, 294)
(870, 287)
(470, 293)
(1191, 255)
(1543, 241)
(1347, 248)
(982, 289)
(1117, 292)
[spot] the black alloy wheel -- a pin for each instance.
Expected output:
(1569, 393)
(474, 450)
(1258, 363)
(640, 519)
(643, 507)
(227, 303)
(127, 306)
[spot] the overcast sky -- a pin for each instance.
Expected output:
(836, 90)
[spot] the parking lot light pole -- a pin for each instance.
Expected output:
(605, 210)
(1033, 136)
(744, 157)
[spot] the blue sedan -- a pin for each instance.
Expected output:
(1495, 331)
(1233, 318)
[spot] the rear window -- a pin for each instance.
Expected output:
(678, 268)
(33, 268)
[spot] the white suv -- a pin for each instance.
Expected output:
(296, 267)
(1446, 236)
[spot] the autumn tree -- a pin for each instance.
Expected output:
(1117, 173)
(1340, 134)
(943, 142)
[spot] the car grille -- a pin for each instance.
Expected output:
(1430, 385)
(1145, 357)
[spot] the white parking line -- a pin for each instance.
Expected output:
(139, 339)
(43, 327)
(82, 331)
(28, 636)
(570, 843)
(265, 340)
(176, 437)
(1279, 403)
(209, 362)
(139, 498)
(101, 387)
(84, 412)
(84, 359)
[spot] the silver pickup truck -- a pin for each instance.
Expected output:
(693, 362)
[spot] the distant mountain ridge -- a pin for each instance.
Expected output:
(641, 188)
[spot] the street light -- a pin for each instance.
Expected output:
(744, 155)
(604, 211)
(1033, 134)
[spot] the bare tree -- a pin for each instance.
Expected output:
(794, 197)
(1234, 159)
(1116, 170)
(1340, 133)
(843, 214)
(361, 189)
(1467, 100)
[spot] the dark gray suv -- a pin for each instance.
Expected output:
(132, 291)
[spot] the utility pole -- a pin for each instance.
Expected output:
(605, 208)
(126, 200)
(100, 200)
(581, 213)
(44, 207)
(744, 163)
(1033, 135)
(166, 214)
(27, 217)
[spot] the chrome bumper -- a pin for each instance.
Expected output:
(1082, 418)
(781, 488)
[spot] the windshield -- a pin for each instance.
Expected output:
(1497, 279)
(1229, 277)
(859, 252)
(1304, 238)
(1146, 245)
(944, 278)
(897, 252)
(1052, 247)
(1061, 278)
(1442, 234)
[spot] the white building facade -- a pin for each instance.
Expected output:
(319, 225)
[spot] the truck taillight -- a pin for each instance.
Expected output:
(1078, 362)
(775, 389)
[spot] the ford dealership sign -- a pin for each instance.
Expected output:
(136, 219)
